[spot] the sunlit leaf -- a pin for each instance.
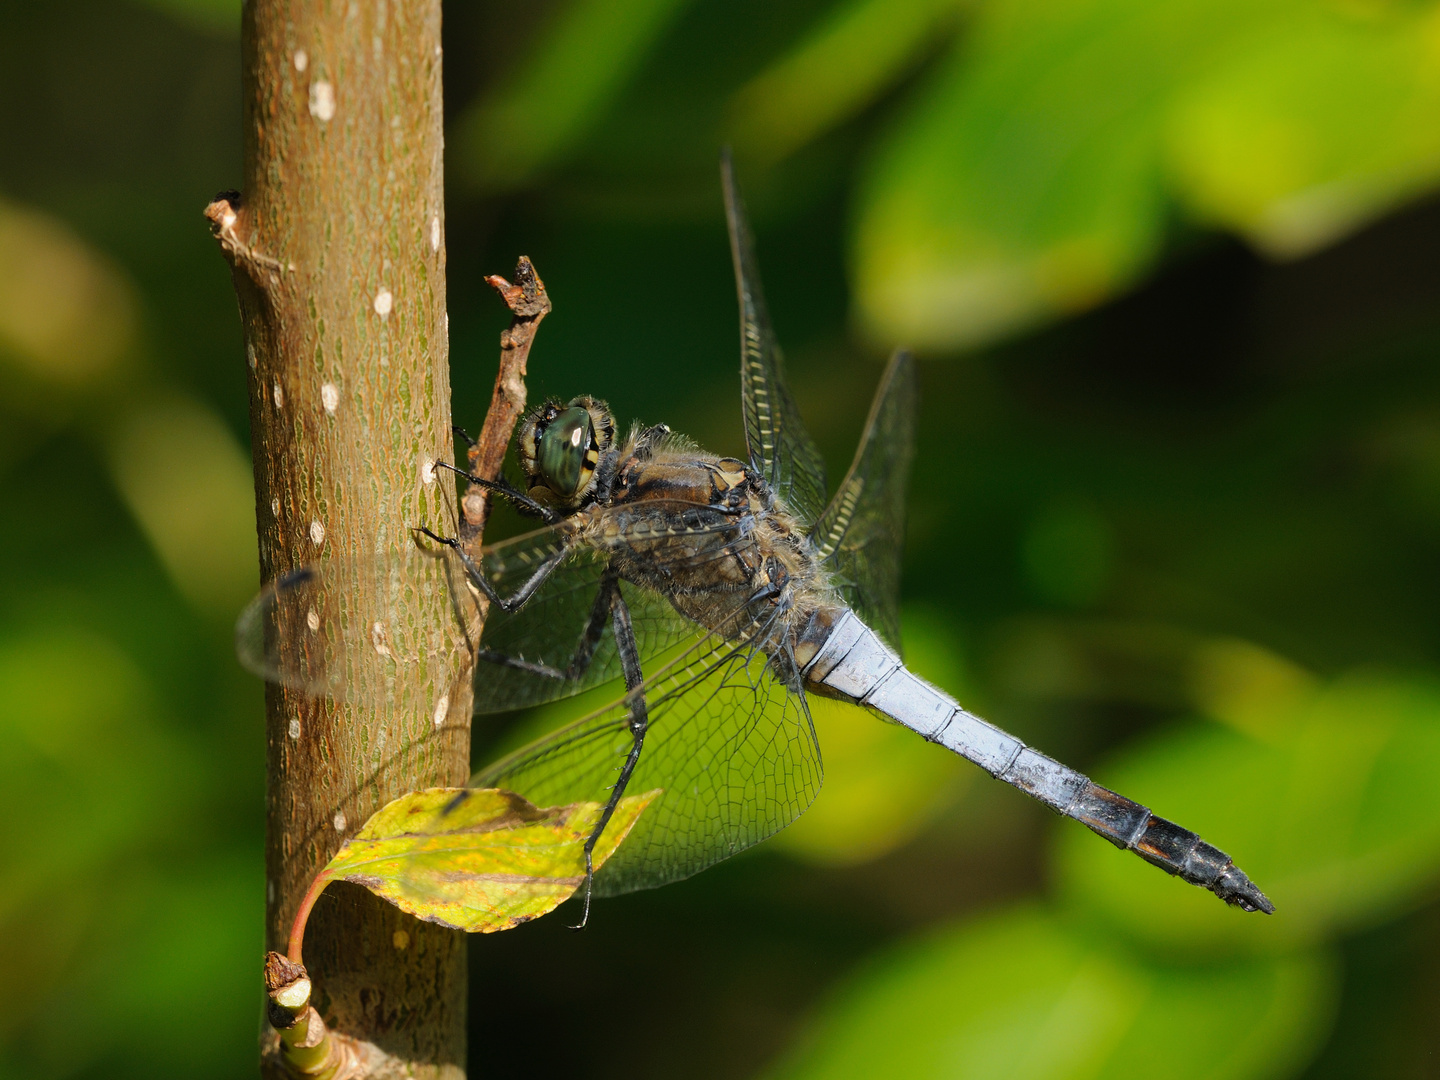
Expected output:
(576, 69)
(1033, 172)
(485, 862)
(1334, 816)
(1022, 996)
(1309, 134)
(1024, 179)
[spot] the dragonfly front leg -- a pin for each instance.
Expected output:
(639, 721)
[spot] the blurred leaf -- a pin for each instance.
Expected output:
(1304, 136)
(216, 16)
(77, 716)
(577, 68)
(1023, 180)
(1031, 175)
(489, 862)
(196, 925)
(1334, 817)
(94, 784)
(856, 50)
(1252, 689)
(189, 484)
(67, 313)
(883, 783)
(1021, 996)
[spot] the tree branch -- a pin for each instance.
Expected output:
(529, 304)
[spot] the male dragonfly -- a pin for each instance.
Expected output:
(722, 591)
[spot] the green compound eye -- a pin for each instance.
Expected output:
(563, 450)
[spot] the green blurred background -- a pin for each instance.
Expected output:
(1172, 270)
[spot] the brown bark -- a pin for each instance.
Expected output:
(339, 262)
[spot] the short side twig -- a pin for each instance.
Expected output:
(228, 219)
(529, 303)
(305, 1047)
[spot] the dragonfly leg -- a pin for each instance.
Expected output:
(605, 600)
(639, 722)
(477, 576)
(507, 490)
(584, 652)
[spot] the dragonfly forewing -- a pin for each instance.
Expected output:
(780, 447)
(322, 629)
(329, 629)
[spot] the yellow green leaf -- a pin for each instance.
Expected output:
(1332, 813)
(1026, 994)
(485, 862)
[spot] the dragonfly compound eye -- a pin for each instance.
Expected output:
(563, 450)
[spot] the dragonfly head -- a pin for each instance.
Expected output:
(560, 447)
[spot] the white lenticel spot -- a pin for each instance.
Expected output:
(322, 101)
(275, 506)
(401, 939)
(278, 395)
(339, 821)
(383, 302)
(427, 472)
(312, 620)
(302, 59)
(250, 355)
(435, 233)
(317, 532)
(294, 729)
(330, 397)
(442, 709)
(270, 891)
(379, 639)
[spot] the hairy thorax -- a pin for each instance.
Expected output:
(707, 533)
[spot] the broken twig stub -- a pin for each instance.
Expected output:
(528, 303)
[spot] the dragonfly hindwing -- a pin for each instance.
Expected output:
(860, 535)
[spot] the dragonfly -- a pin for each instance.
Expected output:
(721, 592)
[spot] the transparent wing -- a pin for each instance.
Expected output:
(860, 535)
(730, 745)
(307, 631)
(562, 619)
(780, 447)
(327, 629)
